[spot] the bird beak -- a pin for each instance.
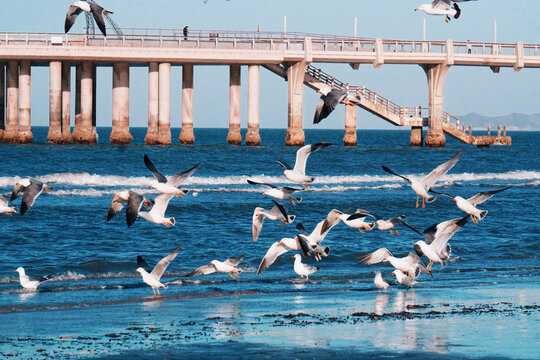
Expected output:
(150, 187)
(14, 270)
(415, 244)
(416, 9)
(46, 188)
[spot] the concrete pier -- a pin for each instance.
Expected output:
(252, 137)
(151, 137)
(120, 105)
(83, 132)
(186, 135)
(78, 72)
(295, 87)
(2, 100)
(234, 137)
(11, 133)
(55, 102)
(435, 77)
(350, 138)
(66, 103)
(25, 103)
(417, 137)
(164, 119)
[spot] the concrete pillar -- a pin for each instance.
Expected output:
(435, 76)
(2, 100)
(94, 102)
(66, 102)
(25, 102)
(153, 104)
(120, 105)
(84, 132)
(164, 120)
(186, 135)
(234, 137)
(55, 102)
(295, 85)
(78, 72)
(252, 137)
(350, 126)
(417, 137)
(11, 133)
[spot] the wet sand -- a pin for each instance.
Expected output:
(499, 321)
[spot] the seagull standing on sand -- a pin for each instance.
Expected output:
(410, 264)
(79, 6)
(403, 279)
(153, 278)
(421, 187)
(31, 188)
(229, 266)
(448, 8)
(303, 269)
(29, 284)
(328, 101)
(278, 212)
(283, 193)
(170, 186)
(379, 282)
(5, 208)
(298, 173)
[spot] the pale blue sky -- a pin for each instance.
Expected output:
(467, 89)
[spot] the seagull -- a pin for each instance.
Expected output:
(168, 186)
(404, 279)
(27, 283)
(356, 220)
(157, 214)
(134, 203)
(448, 8)
(229, 266)
(379, 282)
(303, 269)
(152, 278)
(79, 6)
(420, 187)
(279, 248)
(328, 101)
(469, 205)
(410, 264)
(5, 208)
(392, 223)
(298, 174)
(31, 188)
(283, 193)
(278, 212)
(436, 247)
(318, 234)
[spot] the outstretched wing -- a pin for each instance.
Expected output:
(303, 153)
(439, 234)
(257, 222)
(203, 270)
(277, 249)
(376, 257)
(260, 183)
(71, 16)
(327, 104)
(234, 261)
(161, 203)
(133, 206)
(142, 263)
(116, 205)
(163, 263)
(30, 194)
(440, 170)
(97, 12)
(177, 179)
(394, 173)
(400, 219)
(284, 164)
(483, 196)
(153, 169)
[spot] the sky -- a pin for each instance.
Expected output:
(467, 89)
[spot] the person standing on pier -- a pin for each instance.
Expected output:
(186, 31)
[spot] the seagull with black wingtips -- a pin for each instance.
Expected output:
(278, 212)
(170, 186)
(90, 7)
(328, 101)
(228, 266)
(282, 193)
(410, 264)
(298, 173)
(31, 188)
(153, 278)
(448, 8)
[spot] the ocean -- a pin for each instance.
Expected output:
(65, 233)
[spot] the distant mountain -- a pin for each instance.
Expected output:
(512, 121)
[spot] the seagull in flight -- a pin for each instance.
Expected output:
(28, 283)
(170, 186)
(328, 101)
(31, 188)
(90, 7)
(448, 8)
(153, 278)
(421, 187)
(228, 266)
(410, 264)
(298, 173)
(134, 203)
(278, 212)
(283, 193)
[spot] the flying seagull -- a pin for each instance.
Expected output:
(283, 193)
(357, 220)
(469, 205)
(318, 234)
(134, 203)
(278, 212)
(228, 266)
(421, 187)
(448, 8)
(328, 101)
(277, 249)
(79, 6)
(410, 264)
(303, 269)
(31, 188)
(392, 224)
(168, 186)
(298, 173)
(157, 214)
(5, 208)
(28, 283)
(152, 278)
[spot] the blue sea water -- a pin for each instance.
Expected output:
(65, 233)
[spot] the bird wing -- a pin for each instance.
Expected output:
(289, 189)
(153, 169)
(360, 214)
(396, 174)
(279, 209)
(303, 153)
(30, 194)
(116, 205)
(441, 4)
(97, 12)
(142, 263)
(277, 249)
(161, 203)
(203, 270)
(439, 234)
(3, 201)
(18, 189)
(304, 244)
(257, 223)
(329, 222)
(376, 257)
(440, 170)
(71, 16)
(400, 220)
(163, 263)
(300, 227)
(327, 104)
(284, 164)
(234, 261)
(260, 183)
(483, 196)
(177, 179)
(133, 206)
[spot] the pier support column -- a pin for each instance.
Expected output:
(66, 103)
(55, 102)
(295, 85)
(186, 135)
(151, 137)
(77, 124)
(83, 132)
(252, 137)
(2, 100)
(234, 137)
(11, 133)
(25, 103)
(435, 77)
(350, 126)
(120, 105)
(417, 137)
(164, 120)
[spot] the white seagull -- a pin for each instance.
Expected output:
(379, 282)
(229, 266)
(410, 264)
(79, 6)
(278, 212)
(283, 193)
(357, 220)
(28, 283)
(448, 8)
(152, 278)
(31, 188)
(157, 214)
(421, 187)
(403, 279)
(436, 247)
(392, 224)
(469, 205)
(134, 203)
(328, 101)
(303, 269)
(298, 173)
(5, 208)
(318, 234)
(277, 249)
(170, 186)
